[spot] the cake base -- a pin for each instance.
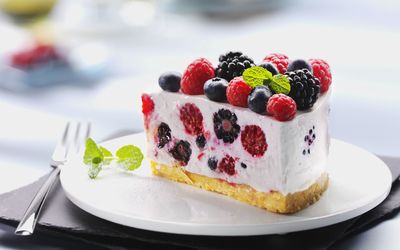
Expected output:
(272, 201)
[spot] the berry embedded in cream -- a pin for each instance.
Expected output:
(257, 137)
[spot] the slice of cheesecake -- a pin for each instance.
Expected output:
(276, 165)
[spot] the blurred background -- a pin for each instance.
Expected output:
(91, 60)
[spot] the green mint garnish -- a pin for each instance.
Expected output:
(92, 152)
(94, 171)
(107, 155)
(129, 157)
(280, 84)
(256, 76)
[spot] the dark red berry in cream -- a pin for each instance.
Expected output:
(191, 118)
(253, 140)
(227, 165)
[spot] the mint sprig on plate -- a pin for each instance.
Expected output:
(128, 157)
(256, 76)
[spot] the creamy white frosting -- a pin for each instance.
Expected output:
(283, 167)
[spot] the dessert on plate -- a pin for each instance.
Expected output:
(256, 133)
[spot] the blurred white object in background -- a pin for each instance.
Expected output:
(104, 17)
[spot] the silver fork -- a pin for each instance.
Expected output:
(73, 137)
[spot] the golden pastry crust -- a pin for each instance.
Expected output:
(272, 201)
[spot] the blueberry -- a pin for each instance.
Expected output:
(243, 165)
(258, 99)
(201, 141)
(270, 67)
(215, 89)
(212, 163)
(299, 64)
(170, 81)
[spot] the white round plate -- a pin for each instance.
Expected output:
(359, 181)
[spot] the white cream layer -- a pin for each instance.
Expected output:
(282, 168)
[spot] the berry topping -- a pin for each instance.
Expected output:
(170, 81)
(195, 75)
(258, 99)
(227, 165)
(212, 163)
(253, 140)
(282, 107)
(215, 89)
(232, 64)
(299, 64)
(270, 67)
(201, 141)
(163, 134)
(192, 119)
(147, 104)
(181, 152)
(304, 88)
(309, 140)
(238, 92)
(281, 61)
(42, 53)
(225, 126)
(322, 71)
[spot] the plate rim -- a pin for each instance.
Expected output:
(187, 228)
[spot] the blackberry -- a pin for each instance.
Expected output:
(233, 64)
(201, 141)
(304, 88)
(181, 151)
(225, 126)
(212, 163)
(163, 134)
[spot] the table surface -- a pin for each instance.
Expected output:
(359, 40)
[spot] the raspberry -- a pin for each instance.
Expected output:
(181, 152)
(195, 75)
(237, 92)
(147, 109)
(253, 140)
(282, 107)
(227, 165)
(147, 104)
(163, 134)
(192, 119)
(281, 61)
(322, 71)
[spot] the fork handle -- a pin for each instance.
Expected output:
(28, 222)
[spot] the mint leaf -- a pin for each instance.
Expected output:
(130, 157)
(92, 153)
(107, 155)
(255, 76)
(94, 170)
(280, 84)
